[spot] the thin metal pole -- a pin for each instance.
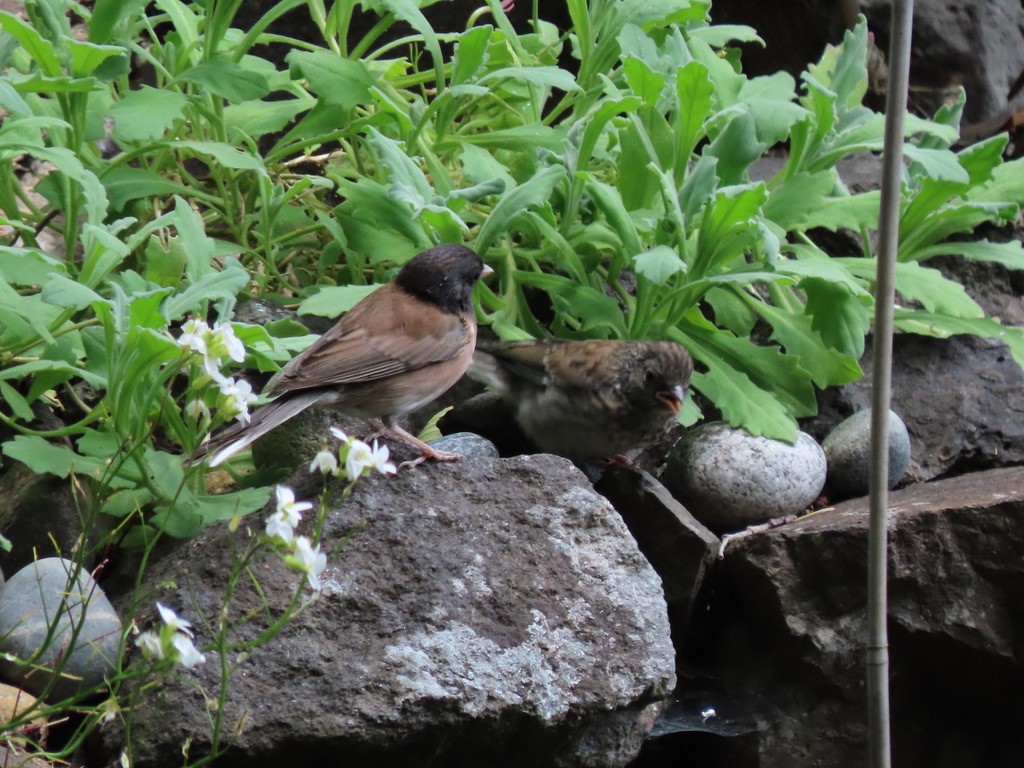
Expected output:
(879, 755)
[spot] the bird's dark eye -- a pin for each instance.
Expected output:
(649, 377)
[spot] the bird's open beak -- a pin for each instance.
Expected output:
(672, 399)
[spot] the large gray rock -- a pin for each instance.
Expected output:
(55, 616)
(485, 612)
(792, 627)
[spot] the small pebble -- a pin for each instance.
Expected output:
(729, 479)
(467, 444)
(43, 594)
(848, 449)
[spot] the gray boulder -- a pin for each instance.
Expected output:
(54, 616)
(484, 612)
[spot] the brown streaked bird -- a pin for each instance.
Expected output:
(588, 400)
(395, 350)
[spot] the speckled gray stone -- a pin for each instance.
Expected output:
(467, 444)
(729, 479)
(848, 450)
(42, 598)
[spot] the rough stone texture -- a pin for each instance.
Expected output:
(679, 547)
(467, 444)
(43, 598)
(791, 623)
(848, 450)
(730, 479)
(961, 398)
(486, 612)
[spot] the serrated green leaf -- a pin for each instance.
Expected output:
(470, 53)
(145, 114)
(39, 48)
(335, 80)
(545, 77)
(125, 183)
(937, 163)
(27, 266)
(694, 91)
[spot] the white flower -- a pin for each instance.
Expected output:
(236, 397)
(362, 458)
(193, 336)
(188, 655)
(279, 526)
(223, 341)
(150, 644)
(340, 434)
(325, 462)
(282, 522)
(172, 620)
(308, 559)
(286, 502)
(198, 410)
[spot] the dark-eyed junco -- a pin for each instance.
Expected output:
(588, 400)
(397, 349)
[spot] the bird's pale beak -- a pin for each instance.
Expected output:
(672, 399)
(488, 270)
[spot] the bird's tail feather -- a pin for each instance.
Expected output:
(222, 447)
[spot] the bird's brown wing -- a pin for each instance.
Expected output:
(581, 364)
(386, 334)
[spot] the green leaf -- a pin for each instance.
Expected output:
(332, 300)
(519, 139)
(534, 192)
(1009, 254)
(225, 154)
(935, 292)
(937, 163)
(593, 309)
(742, 403)
(228, 79)
(227, 283)
(19, 405)
(736, 148)
(43, 457)
(344, 82)
(108, 14)
(694, 90)
(795, 333)
(39, 48)
(659, 264)
(470, 53)
(643, 81)
(27, 266)
(545, 77)
(107, 61)
(64, 292)
(258, 118)
(125, 183)
(720, 35)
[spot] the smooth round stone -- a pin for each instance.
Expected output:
(848, 449)
(43, 599)
(467, 444)
(729, 479)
